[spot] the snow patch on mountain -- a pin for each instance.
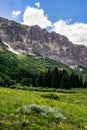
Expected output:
(10, 48)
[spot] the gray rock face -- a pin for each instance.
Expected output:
(39, 42)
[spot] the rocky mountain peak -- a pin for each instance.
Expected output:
(39, 42)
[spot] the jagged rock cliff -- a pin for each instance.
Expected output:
(39, 42)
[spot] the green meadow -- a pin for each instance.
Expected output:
(34, 110)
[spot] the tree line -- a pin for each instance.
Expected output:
(60, 79)
(54, 78)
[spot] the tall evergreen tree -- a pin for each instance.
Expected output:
(49, 79)
(80, 82)
(72, 80)
(40, 79)
(77, 81)
(55, 78)
(65, 82)
(1, 82)
(44, 79)
(85, 84)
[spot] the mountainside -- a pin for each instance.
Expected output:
(18, 68)
(39, 42)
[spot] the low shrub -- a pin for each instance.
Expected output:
(41, 112)
(51, 96)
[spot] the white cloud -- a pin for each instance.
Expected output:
(37, 5)
(76, 32)
(15, 14)
(35, 16)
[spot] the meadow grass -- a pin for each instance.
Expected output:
(72, 107)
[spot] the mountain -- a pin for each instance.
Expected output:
(35, 41)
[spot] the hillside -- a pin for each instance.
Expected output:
(39, 42)
(25, 69)
(18, 67)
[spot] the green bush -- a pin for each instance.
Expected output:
(51, 96)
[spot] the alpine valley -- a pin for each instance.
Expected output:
(52, 71)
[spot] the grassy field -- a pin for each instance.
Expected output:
(30, 110)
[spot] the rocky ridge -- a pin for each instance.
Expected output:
(39, 42)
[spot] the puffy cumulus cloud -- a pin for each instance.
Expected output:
(76, 32)
(37, 5)
(15, 14)
(35, 16)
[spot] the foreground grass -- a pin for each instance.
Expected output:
(72, 107)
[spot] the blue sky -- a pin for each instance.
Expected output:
(67, 17)
(55, 9)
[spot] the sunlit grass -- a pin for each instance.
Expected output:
(73, 106)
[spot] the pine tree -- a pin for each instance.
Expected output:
(49, 79)
(65, 82)
(73, 80)
(77, 81)
(44, 79)
(85, 84)
(1, 82)
(81, 82)
(55, 78)
(40, 79)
